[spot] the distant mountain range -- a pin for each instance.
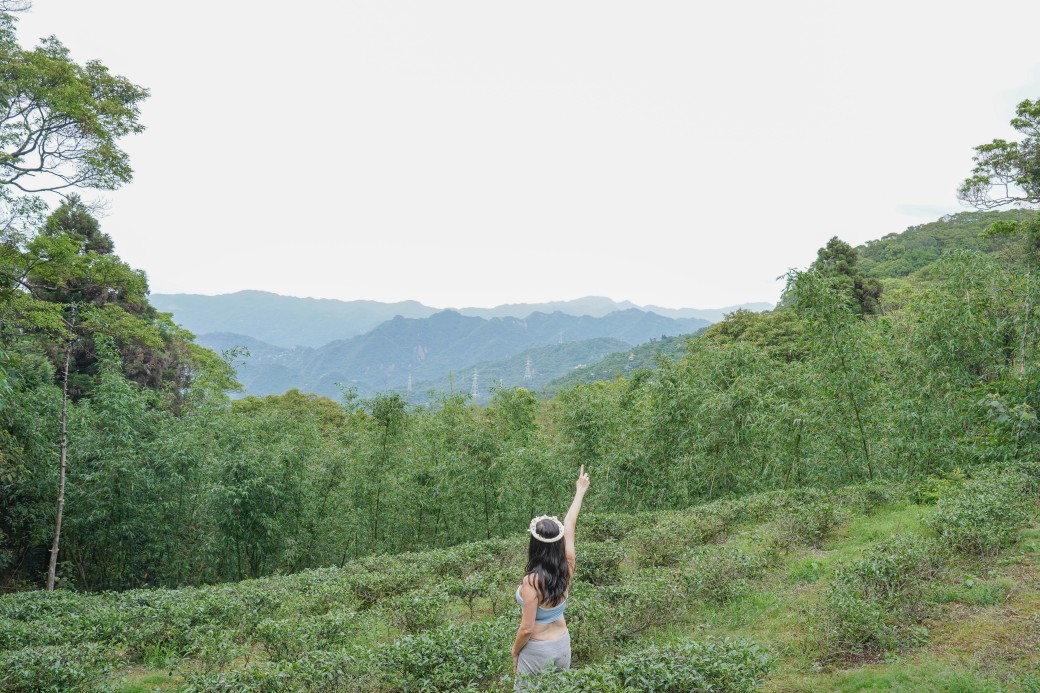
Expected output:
(325, 345)
(417, 354)
(289, 321)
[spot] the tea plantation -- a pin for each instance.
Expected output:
(927, 586)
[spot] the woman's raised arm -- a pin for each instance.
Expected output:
(580, 487)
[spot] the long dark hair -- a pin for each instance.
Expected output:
(547, 564)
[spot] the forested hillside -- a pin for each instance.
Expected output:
(900, 254)
(837, 494)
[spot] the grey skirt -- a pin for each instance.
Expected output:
(539, 655)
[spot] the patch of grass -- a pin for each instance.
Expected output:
(806, 571)
(145, 681)
(896, 677)
(973, 591)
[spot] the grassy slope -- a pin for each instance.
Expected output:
(983, 616)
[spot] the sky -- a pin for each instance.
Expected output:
(679, 154)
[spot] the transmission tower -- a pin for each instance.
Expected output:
(474, 390)
(527, 369)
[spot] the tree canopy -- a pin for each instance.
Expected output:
(60, 123)
(1006, 172)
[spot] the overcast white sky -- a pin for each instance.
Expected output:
(683, 154)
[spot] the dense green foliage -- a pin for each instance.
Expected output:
(901, 254)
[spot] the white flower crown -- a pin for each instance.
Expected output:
(534, 529)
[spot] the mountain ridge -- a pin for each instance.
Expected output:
(405, 351)
(289, 321)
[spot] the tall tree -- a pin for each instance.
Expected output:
(60, 122)
(1008, 173)
(837, 262)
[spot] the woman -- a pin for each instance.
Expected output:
(542, 640)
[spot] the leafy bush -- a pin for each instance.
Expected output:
(470, 588)
(735, 666)
(760, 507)
(54, 668)
(807, 525)
(599, 563)
(929, 490)
(288, 638)
(448, 658)
(601, 619)
(417, 611)
(346, 672)
(385, 581)
(982, 516)
(874, 604)
(667, 542)
(461, 560)
(720, 574)
(609, 526)
(868, 497)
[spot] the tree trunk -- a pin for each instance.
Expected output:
(61, 474)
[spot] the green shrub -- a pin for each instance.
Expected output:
(381, 582)
(313, 672)
(929, 490)
(761, 507)
(876, 603)
(448, 658)
(602, 619)
(734, 666)
(720, 574)
(608, 526)
(416, 611)
(983, 515)
(469, 589)
(599, 563)
(77, 667)
(867, 498)
(807, 525)
(489, 555)
(288, 638)
(667, 542)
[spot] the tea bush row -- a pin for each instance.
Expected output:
(55, 668)
(720, 574)
(604, 619)
(734, 666)
(451, 657)
(982, 516)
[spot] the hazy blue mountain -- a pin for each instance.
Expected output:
(285, 321)
(709, 314)
(426, 350)
(288, 321)
(599, 306)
